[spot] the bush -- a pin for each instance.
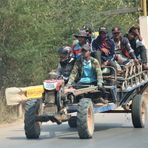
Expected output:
(31, 31)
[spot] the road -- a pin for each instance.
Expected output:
(111, 130)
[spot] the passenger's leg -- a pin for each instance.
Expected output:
(97, 55)
(115, 65)
(143, 56)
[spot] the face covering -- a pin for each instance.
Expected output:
(103, 36)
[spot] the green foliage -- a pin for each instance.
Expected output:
(32, 30)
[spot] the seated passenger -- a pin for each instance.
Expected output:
(137, 44)
(104, 49)
(65, 64)
(91, 35)
(86, 70)
(77, 44)
(123, 50)
(88, 29)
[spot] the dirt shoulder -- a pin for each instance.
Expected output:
(13, 123)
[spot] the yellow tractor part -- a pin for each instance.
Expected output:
(15, 95)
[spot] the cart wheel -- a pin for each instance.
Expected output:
(72, 122)
(139, 111)
(85, 119)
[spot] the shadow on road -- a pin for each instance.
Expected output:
(106, 126)
(49, 131)
(63, 131)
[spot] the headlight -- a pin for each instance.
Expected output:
(49, 86)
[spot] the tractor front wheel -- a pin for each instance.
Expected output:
(85, 119)
(32, 127)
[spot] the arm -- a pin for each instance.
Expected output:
(73, 52)
(129, 48)
(111, 55)
(58, 71)
(73, 74)
(96, 44)
(139, 37)
(98, 72)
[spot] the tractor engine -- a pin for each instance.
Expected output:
(53, 97)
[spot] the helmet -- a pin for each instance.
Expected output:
(65, 50)
(65, 53)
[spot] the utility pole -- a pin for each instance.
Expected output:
(144, 7)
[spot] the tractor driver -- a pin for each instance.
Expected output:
(87, 70)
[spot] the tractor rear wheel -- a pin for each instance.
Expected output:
(72, 122)
(139, 111)
(85, 119)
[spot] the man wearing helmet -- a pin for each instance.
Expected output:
(66, 63)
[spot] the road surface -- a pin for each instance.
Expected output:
(111, 131)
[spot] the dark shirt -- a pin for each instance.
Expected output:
(126, 48)
(64, 69)
(132, 42)
(97, 44)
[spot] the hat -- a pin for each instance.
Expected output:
(86, 47)
(116, 30)
(87, 28)
(103, 29)
(81, 33)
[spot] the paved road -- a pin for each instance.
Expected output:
(111, 130)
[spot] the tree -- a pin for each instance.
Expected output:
(31, 31)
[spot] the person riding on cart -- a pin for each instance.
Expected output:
(104, 49)
(88, 29)
(138, 46)
(81, 37)
(123, 49)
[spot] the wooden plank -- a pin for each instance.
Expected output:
(20, 110)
